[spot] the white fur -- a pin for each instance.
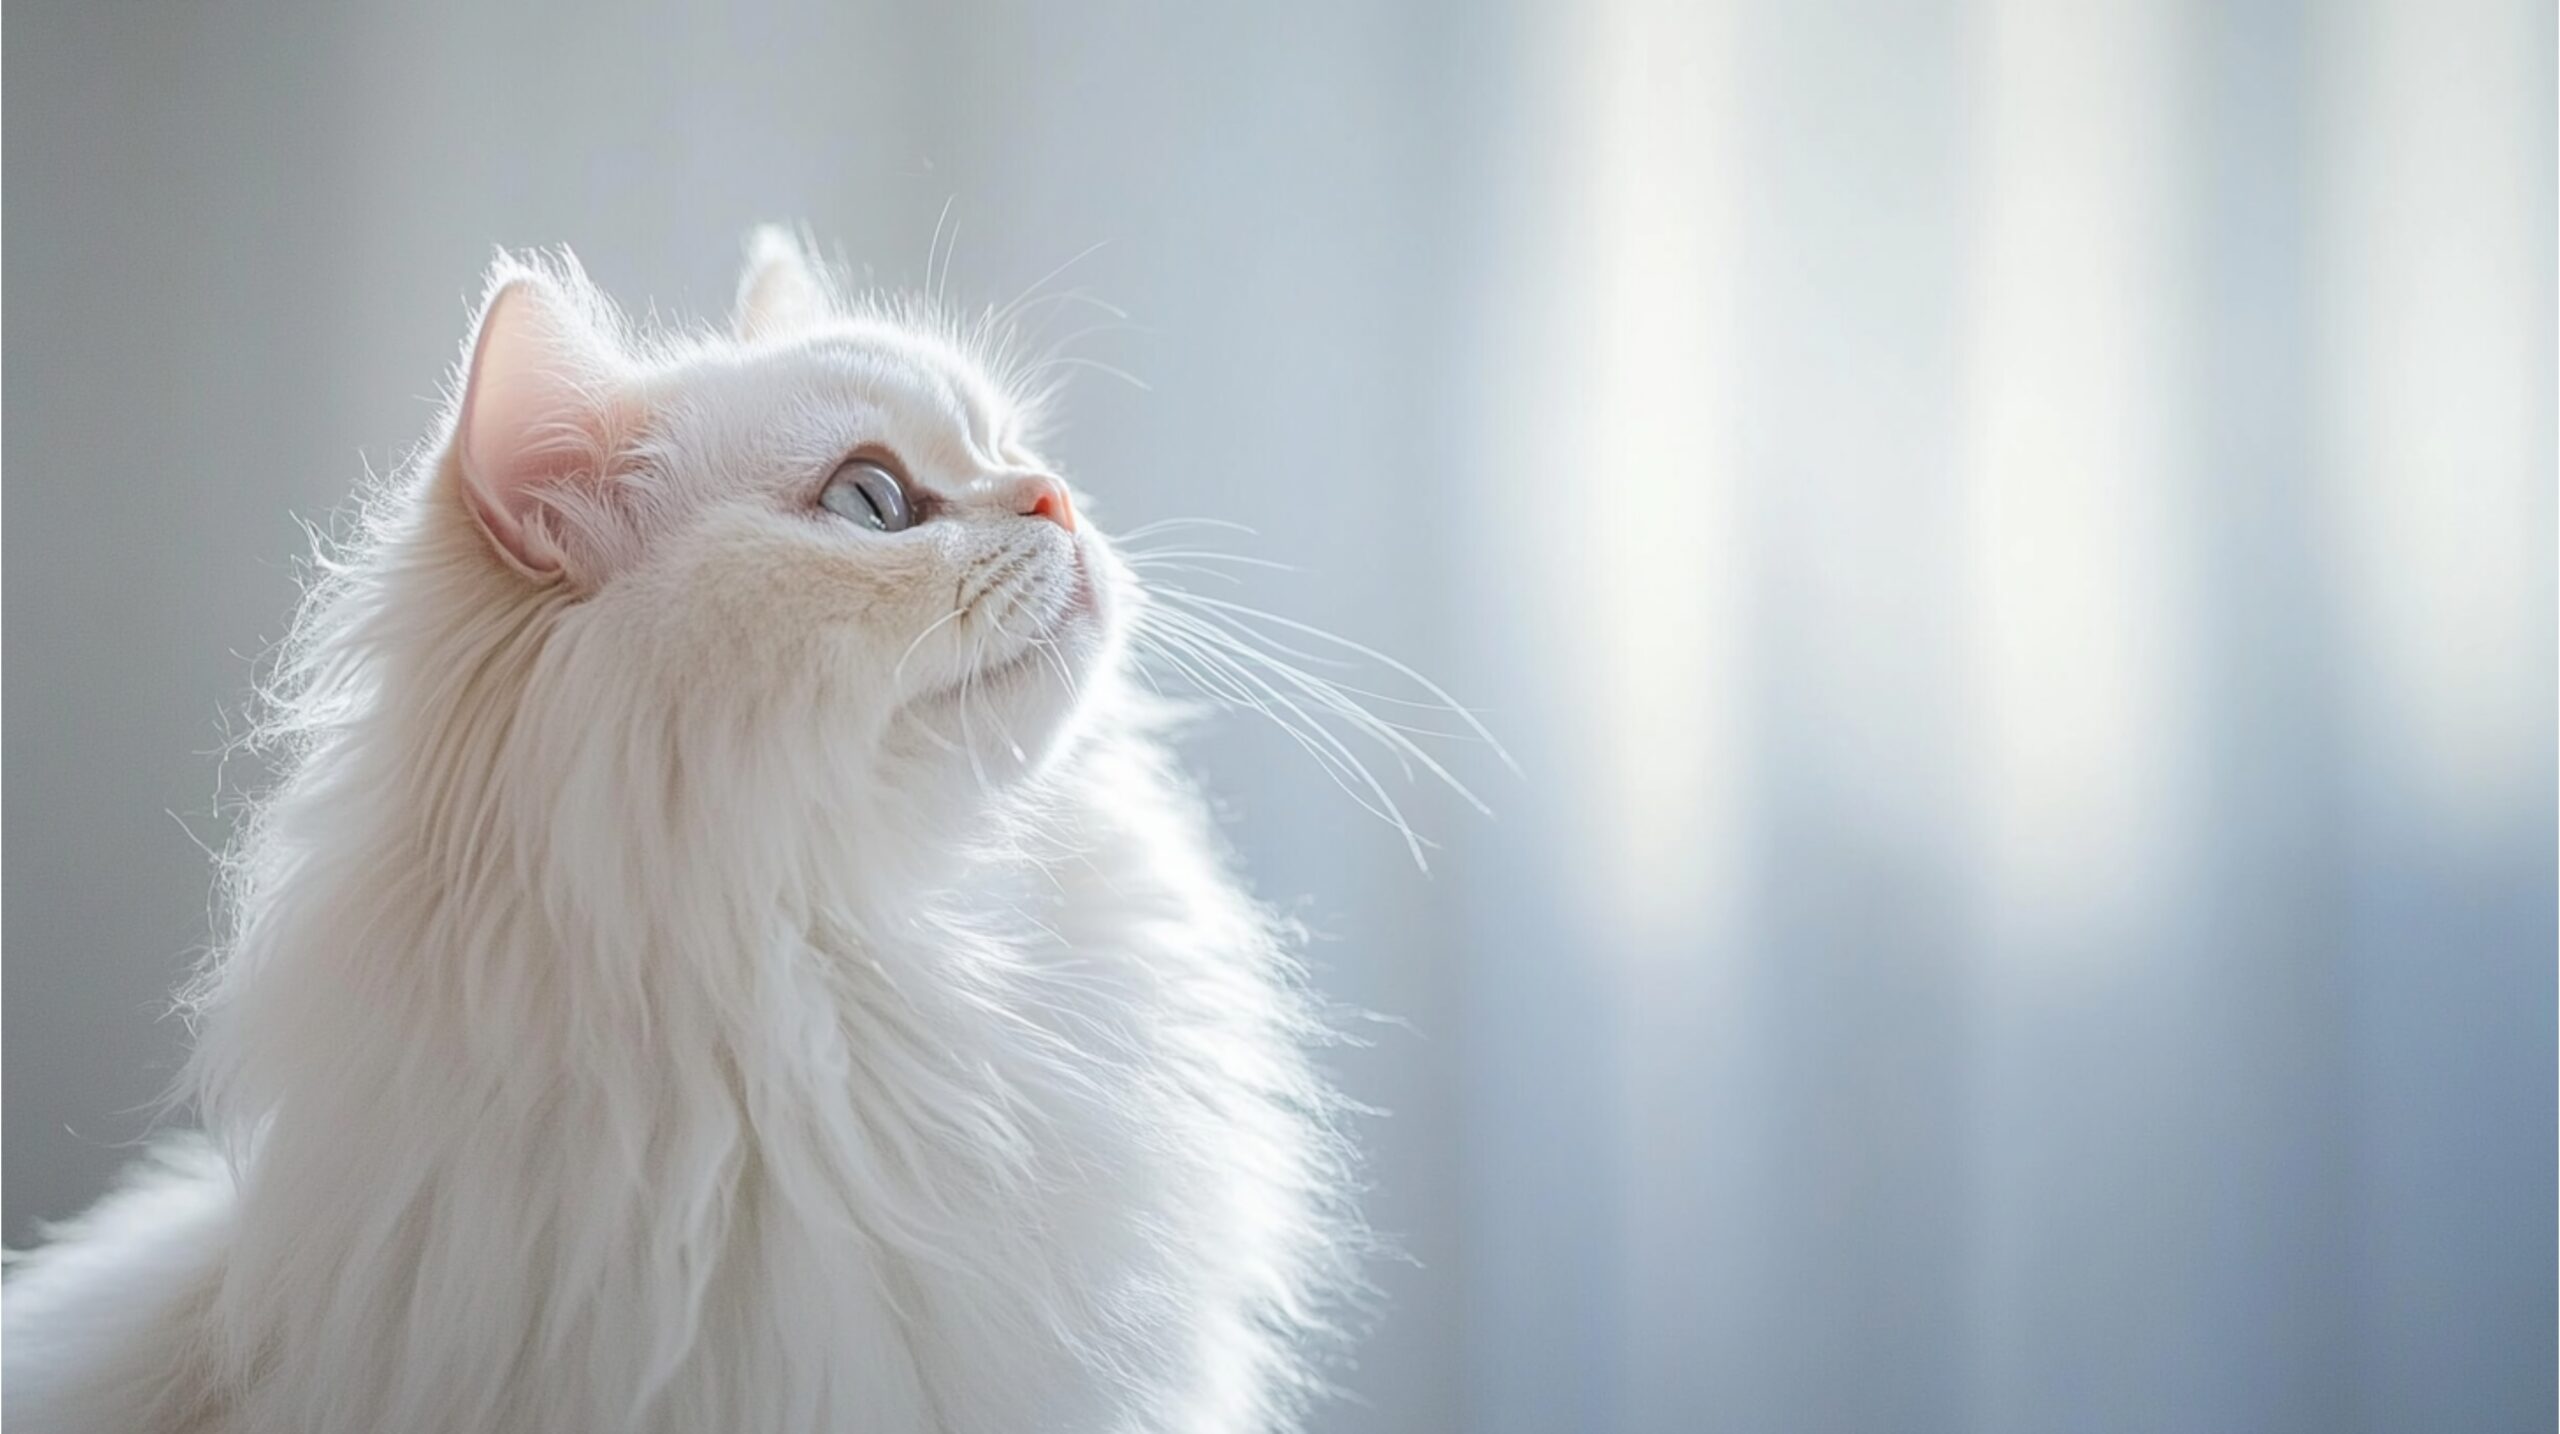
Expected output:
(719, 989)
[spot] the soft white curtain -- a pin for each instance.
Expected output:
(2025, 575)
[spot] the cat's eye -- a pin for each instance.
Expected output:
(866, 492)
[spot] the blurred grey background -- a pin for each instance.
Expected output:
(2014, 544)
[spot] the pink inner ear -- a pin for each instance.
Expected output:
(534, 421)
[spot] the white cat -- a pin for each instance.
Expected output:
(729, 952)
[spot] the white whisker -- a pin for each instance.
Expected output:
(1391, 735)
(1243, 685)
(1010, 310)
(1333, 694)
(897, 674)
(1205, 555)
(1098, 366)
(1425, 683)
(933, 246)
(1166, 524)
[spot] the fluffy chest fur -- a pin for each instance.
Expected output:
(1038, 1153)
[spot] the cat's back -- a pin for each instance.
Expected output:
(108, 1326)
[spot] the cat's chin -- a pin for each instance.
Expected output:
(1033, 688)
(1005, 674)
(1051, 666)
(1070, 636)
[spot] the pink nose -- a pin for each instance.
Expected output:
(1041, 496)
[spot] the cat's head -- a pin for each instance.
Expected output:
(822, 537)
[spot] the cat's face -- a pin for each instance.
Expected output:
(825, 532)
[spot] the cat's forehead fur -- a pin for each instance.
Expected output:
(808, 398)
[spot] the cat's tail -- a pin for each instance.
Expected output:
(107, 1328)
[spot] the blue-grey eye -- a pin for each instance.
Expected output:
(867, 493)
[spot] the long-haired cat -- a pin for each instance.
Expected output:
(728, 950)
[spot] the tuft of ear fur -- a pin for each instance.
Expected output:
(545, 413)
(781, 291)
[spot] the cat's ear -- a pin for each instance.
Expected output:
(543, 412)
(781, 291)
